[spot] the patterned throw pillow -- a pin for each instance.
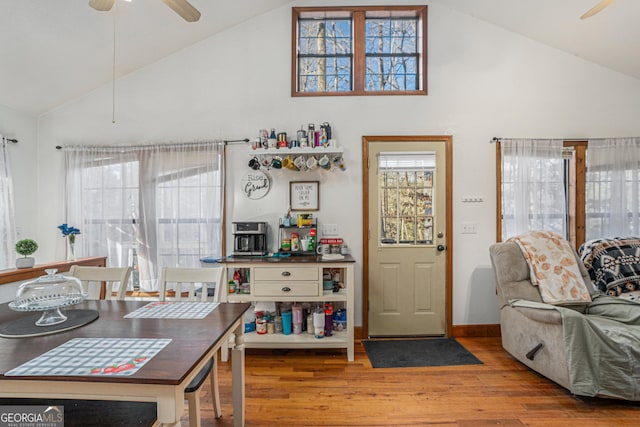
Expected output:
(613, 264)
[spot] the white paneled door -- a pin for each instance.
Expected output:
(407, 245)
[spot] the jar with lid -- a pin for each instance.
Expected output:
(261, 323)
(295, 242)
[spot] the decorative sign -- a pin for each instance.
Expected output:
(304, 195)
(255, 184)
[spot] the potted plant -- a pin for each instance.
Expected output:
(26, 247)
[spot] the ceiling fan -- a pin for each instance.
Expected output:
(597, 8)
(181, 7)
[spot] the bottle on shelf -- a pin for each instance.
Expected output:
(310, 329)
(272, 141)
(295, 242)
(286, 323)
(312, 240)
(311, 135)
(318, 322)
(297, 318)
(328, 319)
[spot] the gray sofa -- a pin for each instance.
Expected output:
(583, 348)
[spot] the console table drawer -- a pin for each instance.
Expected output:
(286, 273)
(280, 289)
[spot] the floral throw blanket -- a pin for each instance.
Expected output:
(613, 264)
(553, 268)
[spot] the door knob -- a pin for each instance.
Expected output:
(441, 248)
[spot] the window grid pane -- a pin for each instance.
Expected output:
(406, 206)
(325, 55)
(392, 54)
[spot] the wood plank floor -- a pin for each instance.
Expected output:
(320, 388)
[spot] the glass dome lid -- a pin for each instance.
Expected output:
(48, 294)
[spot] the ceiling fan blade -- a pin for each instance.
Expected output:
(102, 5)
(597, 8)
(184, 9)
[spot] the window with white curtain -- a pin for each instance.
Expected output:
(613, 188)
(533, 187)
(150, 206)
(7, 222)
(582, 190)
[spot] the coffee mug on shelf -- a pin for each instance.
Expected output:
(276, 163)
(324, 162)
(300, 162)
(254, 163)
(323, 249)
(287, 162)
(312, 163)
(338, 161)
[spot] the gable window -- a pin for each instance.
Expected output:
(359, 51)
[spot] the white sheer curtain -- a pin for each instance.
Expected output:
(533, 189)
(7, 220)
(161, 203)
(613, 188)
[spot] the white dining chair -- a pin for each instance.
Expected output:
(185, 283)
(92, 278)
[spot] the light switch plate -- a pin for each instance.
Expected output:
(329, 229)
(469, 228)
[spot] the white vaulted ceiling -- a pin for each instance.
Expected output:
(53, 51)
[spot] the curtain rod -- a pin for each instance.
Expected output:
(15, 141)
(232, 141)
(236, 141)
(498, 138)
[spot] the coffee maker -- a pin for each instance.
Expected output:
(249, 238)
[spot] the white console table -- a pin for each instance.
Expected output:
(293, 279)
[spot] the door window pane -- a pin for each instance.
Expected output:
(406, 198)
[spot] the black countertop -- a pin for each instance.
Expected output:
(265, 259)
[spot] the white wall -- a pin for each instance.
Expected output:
(483, 82)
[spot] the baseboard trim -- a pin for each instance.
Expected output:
(479, 331)
(491, 330)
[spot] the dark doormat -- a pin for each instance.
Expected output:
(418, 352)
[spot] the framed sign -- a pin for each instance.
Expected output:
(255, 184)
(304, 195)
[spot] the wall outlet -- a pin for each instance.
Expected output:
(329, 229)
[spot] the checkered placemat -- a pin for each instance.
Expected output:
(93, 356)
(173, 310)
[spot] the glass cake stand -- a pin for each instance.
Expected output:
(48, 294)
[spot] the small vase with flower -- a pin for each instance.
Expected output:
(69, 233)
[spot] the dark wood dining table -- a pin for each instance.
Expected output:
(162, 379)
